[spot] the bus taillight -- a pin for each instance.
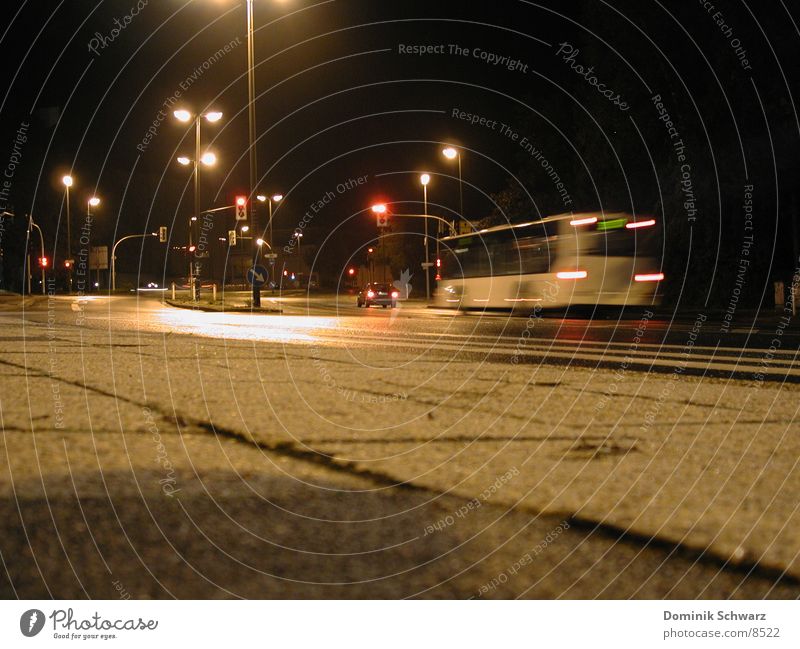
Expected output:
(649, 277)
(640, 224)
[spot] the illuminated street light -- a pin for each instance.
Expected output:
(263, 198)
(425, 179)
(207, 159)
(452, 153)
(245, 229)
(94, 201)
(68, 181)
(274, 198)
(259, 242)
(379, 208)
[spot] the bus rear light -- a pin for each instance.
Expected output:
(640, 224)
(649, 277)
(395, 294)
(572, 274)
(587, 221)
(370, 293)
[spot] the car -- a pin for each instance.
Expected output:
(380, 294)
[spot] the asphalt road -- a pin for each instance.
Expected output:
(331, 451)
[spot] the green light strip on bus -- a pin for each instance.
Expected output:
(611, 224)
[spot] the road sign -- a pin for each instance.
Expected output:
(98, 258)
(426, 264)
(271, 255)
(257, 275)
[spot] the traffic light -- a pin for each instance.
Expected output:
(351, 271)
(241, 208)
(438, 269)
(68, 263)
(162, 234)
(191, 250)
(43, 262)
(231, 237)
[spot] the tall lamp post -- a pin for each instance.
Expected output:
(92, 202)
(425, 179)
(275, 198)
(251, 133)
(43, 257)
(114, 255)
(68, 181)
(451, 153)
(207, 159)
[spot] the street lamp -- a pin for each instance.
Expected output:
(68, 181)
(275, 198)
(251, 130)
(92, 202)
(452, 153)
(425, 179)
(183, 115)
(299, 236)
(43, 257)
(208, 159)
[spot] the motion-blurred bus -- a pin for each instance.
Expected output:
(558, 261)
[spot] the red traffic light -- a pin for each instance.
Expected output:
(191, 248)
(351, 271)
(241, 208)
(43, 262)
(68, 264)
(438, 263)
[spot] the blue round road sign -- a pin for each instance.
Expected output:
(257, 275)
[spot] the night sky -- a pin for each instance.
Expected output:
(682, 109)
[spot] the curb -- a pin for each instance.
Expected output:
(208, 308)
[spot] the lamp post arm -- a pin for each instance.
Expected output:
(114, 255)
(41, 242)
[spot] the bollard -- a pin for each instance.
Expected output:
(780, 295)
(173, 290)
(214, 293)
